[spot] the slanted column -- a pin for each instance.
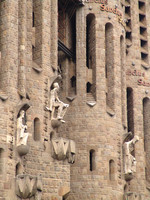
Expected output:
(22, 47)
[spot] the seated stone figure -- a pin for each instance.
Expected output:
(129, 159)
(55, 103)
(22, 135)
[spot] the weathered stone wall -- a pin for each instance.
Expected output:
(26, 75)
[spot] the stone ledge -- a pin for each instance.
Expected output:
(3, 95)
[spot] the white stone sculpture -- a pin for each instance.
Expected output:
(129, 159)
(55, 103)
(22, 135)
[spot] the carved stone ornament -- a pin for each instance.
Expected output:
(56, 107)
(129, 159)
(133, 196)
(71, 151)
(28, 186)
(62, 149)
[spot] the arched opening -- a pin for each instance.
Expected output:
(1, 160)
(88, 87)
(37, 135)
(90, 41)
(91, 54)
(111, 170)
(73, 82)
(146, 129)
(92, 159)
(130, 112)
(109, 65)
(19, 169)
(67, 44)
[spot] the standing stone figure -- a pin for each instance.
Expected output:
(55, 103)
(129, 159)
(22, 135)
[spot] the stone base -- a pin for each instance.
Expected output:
(22, 149)
(55, 123)
(128, 176)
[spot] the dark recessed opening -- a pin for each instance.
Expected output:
(143, 31)
(142, 5)
(143, 43)
(142, 18)
(88, 87)
(128, 35)
(127, 10)
(92, 160)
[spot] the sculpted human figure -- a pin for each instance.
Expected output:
(22, 135)
(129, 159)
(55, 103)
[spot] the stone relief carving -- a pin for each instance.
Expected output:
(28, 186)
(56, 107)
(129, 159)
(71, 152)
(62, 149)
(133, 196)
(22, 135)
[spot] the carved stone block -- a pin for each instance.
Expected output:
(60, 147)
(63, 148)
(28, 186)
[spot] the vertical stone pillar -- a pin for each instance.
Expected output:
(54, 33)
(81, 52)
(123, 81)
(46, 60)
(22, 47)
(9, 44)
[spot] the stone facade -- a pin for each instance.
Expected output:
(98, 53)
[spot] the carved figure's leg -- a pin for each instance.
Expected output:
(62, 110)
(52, 113)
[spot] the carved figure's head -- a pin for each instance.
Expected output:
(56, 85)
(22, 114)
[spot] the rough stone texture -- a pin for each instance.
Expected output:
(26, 75)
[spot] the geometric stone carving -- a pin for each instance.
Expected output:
(56, 107)
(129, 159)
(60, 147)
(3, 95)
(28, 186)
(91, 104)
(71, 152)
(132, 196)
(63, 148)
(63, 190)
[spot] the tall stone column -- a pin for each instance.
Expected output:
(22, 47)
(81, 52)
(54, 33)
